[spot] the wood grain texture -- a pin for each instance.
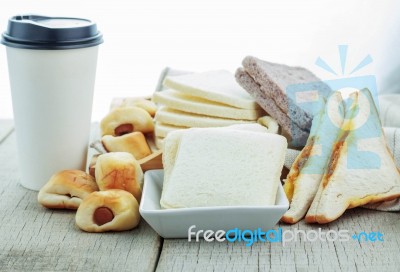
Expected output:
(33, 238)
(152, 162)
(180, 255)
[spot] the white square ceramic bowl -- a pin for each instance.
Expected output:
(174, 223)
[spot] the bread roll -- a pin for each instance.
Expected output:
(134, 143)
(92, 165)
(139, 102)
(67, 189)
(112, 210)
(119, 170)
(125, 120)
(147, 105)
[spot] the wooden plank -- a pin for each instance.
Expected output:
(6, 127)
(33, 238)
(152, 162)
(180, 255)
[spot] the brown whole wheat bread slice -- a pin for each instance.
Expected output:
(297, 136)
(275, 78)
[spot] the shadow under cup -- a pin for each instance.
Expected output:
(52, 68)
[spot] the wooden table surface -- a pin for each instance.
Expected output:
(33, 238)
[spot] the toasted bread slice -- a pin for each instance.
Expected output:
(307, 170)
(361, 169)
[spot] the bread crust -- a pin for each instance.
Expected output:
(135, 116)
(290, 129)
(142, 103)
(345, 188)
(119, 170)
(323, 219)
(123, 205)
(200, 106)
(307, 171)
(67, 189)
(134, 143)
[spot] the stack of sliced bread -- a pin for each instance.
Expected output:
(268, 82)
(209, 99)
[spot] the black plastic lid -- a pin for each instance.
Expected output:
(41, 32)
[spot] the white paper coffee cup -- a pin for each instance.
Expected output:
(52, 68)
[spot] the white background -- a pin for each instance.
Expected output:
(143, 37)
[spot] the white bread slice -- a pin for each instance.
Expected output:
(161, 130)
(159, 142)
(170, 145)
(218, 86)
(184, 119)
(174, 119)
(179, 101)
(270, 123)
(173, 139)
(349, 181)
(168, 71)
(195, 182)
(250, 127)
(307, 170)
(254, 127)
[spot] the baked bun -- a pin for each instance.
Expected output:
(125, 120)
(112, 210)
(142, 103)
(134, 143)
(147, 105)
(67, 189)
(119, 170)
(92, 165)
